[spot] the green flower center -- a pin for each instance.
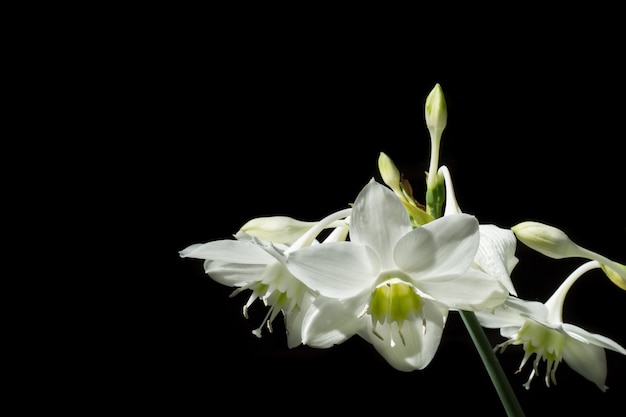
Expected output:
(394, 301)
(543, 342)
(278, 290)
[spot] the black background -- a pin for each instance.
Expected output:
(220, 123)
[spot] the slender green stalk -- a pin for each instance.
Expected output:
(498, 378)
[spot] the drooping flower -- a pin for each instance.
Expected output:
(393, 284)
(540, 329)
(250, 263)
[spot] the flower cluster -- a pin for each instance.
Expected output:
(390, 269)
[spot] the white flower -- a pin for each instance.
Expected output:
(496, 252)
(250, 263)
(392, 284)
(540, 329)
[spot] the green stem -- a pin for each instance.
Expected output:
(498, 378)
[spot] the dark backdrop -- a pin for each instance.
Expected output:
(240, 124)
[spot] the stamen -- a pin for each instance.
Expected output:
(502, 346)
(553, 373)
(236, 291)
(530, 378)
(376, 333)
(364, 312)
(257, 331)
(402, 337)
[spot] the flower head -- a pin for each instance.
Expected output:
(251, 263)
(393, 284)
(540, 329)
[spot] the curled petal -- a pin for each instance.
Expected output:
(593, 338)
(496, 254)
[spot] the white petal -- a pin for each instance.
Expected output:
(331, 321)
(496, 253)
(420, 343)
(512, 313)
(293, 321)
(232, 274)
(587, 359)
(335, 269)
(473, 291)
(441, 249)
(379, 220)
(508, 331)
(235, 251)
(594, 338)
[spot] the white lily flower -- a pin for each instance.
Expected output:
(496, 252)
(540, 329)
(250, 263)
(553, 242)
(393, 284)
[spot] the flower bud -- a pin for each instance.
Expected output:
(389, 172)
(554, 243)
(617, 274)
(277, 229)
(436, 109)
(545, 239)
(436, 119)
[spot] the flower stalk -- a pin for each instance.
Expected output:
(492, 365)
(437, 182)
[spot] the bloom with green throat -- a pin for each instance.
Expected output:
(540, 329)
(251, 263)
(391, 283)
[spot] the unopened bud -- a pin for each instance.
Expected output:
(545, 239)
(436, 109)
(278, 229)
